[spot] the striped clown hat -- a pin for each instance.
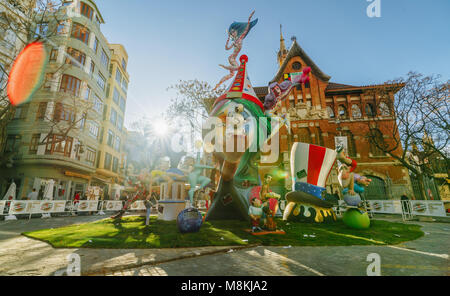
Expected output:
(310, 167)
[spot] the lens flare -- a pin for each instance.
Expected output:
(27, 73)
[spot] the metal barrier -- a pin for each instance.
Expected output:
(46, 207)
(407, 208)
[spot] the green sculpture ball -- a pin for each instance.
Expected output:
(354, 219)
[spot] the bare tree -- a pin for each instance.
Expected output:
(194, 102)
(420, 133)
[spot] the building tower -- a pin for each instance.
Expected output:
(282, 54)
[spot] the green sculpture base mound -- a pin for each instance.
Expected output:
(354, 219)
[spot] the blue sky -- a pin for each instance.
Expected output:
(172, 40)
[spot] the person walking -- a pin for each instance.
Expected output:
(33, 195)
(148, 206)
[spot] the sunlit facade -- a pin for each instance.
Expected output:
(58, 135)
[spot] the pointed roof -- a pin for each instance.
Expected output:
(283, 51)
(295, 51)
(241, 88)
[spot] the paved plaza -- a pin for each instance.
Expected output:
(19, 255)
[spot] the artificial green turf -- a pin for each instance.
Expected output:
(131, 233)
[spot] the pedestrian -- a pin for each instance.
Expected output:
(33, 195)
(76, 198)
(148, 206)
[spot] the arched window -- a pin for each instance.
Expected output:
(376, 189)
(342, 111)
(356, 111)
(384, 109)
(330, 112)
(370, 111)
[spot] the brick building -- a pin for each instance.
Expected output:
(322, 110)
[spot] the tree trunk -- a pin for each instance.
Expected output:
(422, 186)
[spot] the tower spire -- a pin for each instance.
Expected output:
(283, 51)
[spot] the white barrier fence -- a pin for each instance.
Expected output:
(29, 207)
(406, 208)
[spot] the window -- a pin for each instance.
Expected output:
(61, 29)
(296, 66)
(105, 59)
(12, 143)
(122, 104)
(110, 141)
(125, 86)
(119, 123)
(80, 32)
(351, 144)
(370, 110)
(384, 109)
(94, 129)
(113, 116)
(87, 93)
(116, 96)
(304, 135)
(58, 144)
(75, 57)
(356, 111)
(48, 81)
(34, 144)
(96, 45)
(21, 111)
(42, 109)
(115, 165)
(90, 156)
(124, 65)
(98, 104)
(108, 160)
(117, 144)
(3, 77)
(101, 81)
(92, 68)
(63, 113)
(54, 54)
(82, 121)
(376, 141)
(118, 76)
(42, 29)
(86, 10)
(70, 84)
(330, 112)
(342, 111)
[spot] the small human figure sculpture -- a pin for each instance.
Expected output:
(279, 91)
(255, 212)
(195, 178)
(236, 33)
(352, 183)
(269, 203)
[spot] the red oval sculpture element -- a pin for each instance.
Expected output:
(26, 74)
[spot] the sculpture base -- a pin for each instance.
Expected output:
(304, 212)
